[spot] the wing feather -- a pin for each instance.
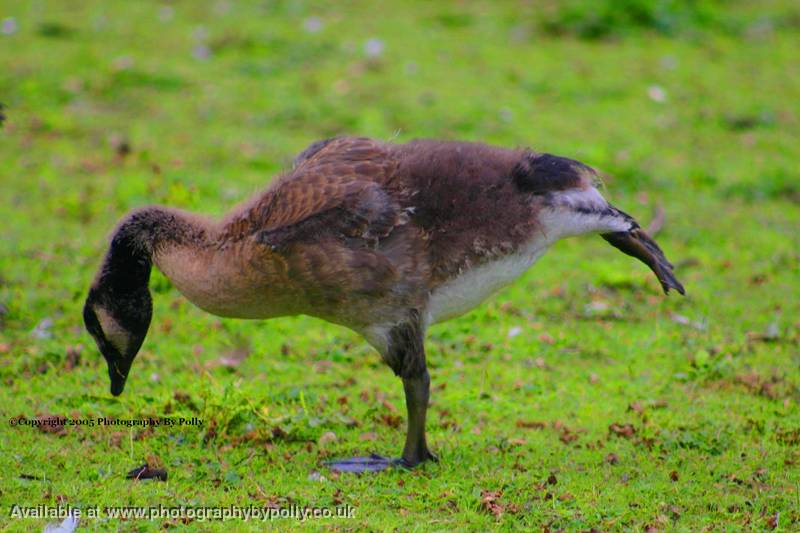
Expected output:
(337, 186)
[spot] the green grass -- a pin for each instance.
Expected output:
(214, 98)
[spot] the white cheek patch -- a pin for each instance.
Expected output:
(113, 331)
(577, 212)
(578, 197)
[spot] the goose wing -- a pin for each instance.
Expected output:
(332, 222)
(357, 214)
(338, 186)
(337, 189)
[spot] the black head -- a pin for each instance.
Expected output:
(543, 173)
(118, 321)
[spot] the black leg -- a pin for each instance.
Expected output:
(406, 356)
(417, 394)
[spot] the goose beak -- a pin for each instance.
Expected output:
(118, 373)
(638, 244)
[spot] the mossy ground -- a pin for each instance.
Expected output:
(578, 398)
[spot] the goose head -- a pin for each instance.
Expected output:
(118, 321)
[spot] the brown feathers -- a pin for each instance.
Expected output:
(460, 196)
(382, 238)
(360, 231)
(322, 180)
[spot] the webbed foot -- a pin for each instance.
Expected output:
(377, 463)
(373, 463)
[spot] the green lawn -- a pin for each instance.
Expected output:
(578, 398)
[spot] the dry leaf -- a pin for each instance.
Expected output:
(51, 424)
(524, 424)
(622, 430)
(233, 358)
(73, 358)
(325, 438)
(490, 502)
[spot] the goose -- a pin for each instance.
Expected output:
(384, 239)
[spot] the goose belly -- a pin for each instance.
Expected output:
(466, 291)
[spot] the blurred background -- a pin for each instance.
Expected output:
(660, 94)
(690, 108)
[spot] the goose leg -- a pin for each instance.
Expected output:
(406, 356)
(417, 394)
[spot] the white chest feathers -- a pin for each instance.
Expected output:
(460, 294)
